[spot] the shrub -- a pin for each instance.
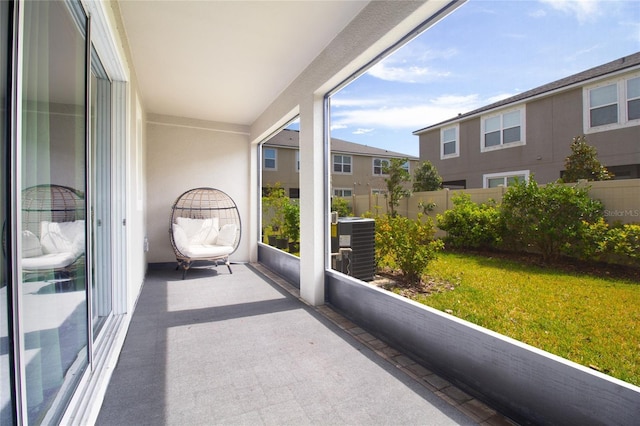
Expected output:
(291, 224)
(618, 244)
(471, 225)
(548, 219)
(341, 205)
(625, 241)
(406, 244)
(592, 244)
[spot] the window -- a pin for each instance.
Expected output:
(269, 158)
(294, 192)
(297, 160)
(449, 147)
(633, 99)
(379, 164)
(342, 192)
(612, 104)
(503, 130)
(342, 164)
(494, 180)
(603, 105)
(378, 192)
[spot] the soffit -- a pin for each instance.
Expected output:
(226, 61)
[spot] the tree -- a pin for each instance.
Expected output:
(426, 178)
(398, 174)
(583, 163)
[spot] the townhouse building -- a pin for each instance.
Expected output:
(355, 169)
(530, 134)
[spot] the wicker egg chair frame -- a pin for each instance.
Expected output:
(205, 203)
(52, 203)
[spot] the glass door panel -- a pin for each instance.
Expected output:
(101, 194)
(53, 176)
(6, 344)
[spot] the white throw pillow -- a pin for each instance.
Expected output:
(199, 231)
(180, 238)
(227, 235)
(62, 237)
(31, 246)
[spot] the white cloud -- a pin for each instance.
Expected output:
(363, 131)
(338, 126)
(408, 116)
(499, 97)
(455, 101)
(406, 74)
(412, 64)
(582, 52)
(338, 102)
(584, 10)
(539, 13)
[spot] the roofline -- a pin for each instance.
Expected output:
(386, 154)
(341, 151)
(520, 99)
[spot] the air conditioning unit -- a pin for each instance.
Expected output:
(353, 247)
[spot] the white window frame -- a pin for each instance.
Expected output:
(622, 102)
(342, 172)
(373, 166)
(264, 159)
(375, 191)
(339, 192)
(627, 98)
(456, 142)
(505, 176)
(523, 129)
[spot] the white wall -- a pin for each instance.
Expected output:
(183, 154)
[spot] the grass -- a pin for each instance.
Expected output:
(593, 321)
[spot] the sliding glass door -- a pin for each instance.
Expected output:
(56, 286)
(52, 183)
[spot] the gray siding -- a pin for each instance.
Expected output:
(551, 124)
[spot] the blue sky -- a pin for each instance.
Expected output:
(485, 51)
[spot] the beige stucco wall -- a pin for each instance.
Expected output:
(183, 154)
(621, 199)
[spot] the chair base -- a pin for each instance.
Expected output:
(186, 264)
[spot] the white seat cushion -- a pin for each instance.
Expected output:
(199, 231)
(30, 245)
(48, 261)
(206, 251)
(62, 237)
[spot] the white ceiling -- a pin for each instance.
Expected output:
(226, 61)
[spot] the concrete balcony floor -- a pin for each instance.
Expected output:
(241, 348)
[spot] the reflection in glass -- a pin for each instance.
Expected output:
(54, 302)
(6, 346)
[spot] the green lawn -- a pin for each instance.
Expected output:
(591, 321)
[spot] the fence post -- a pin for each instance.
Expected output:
(446, 197)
